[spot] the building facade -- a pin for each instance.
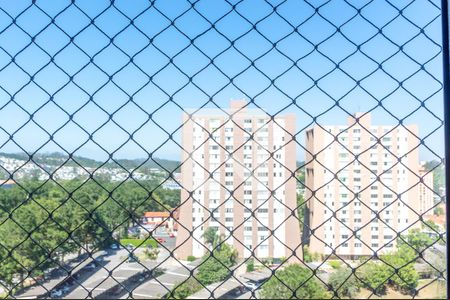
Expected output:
(426, 194)
(362, 186)
(237, 177)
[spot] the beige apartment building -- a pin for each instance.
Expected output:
(237, 178)
(426, 194)
(354, 180)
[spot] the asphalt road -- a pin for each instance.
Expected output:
(114, 271)
(158, 287)
(58, 276)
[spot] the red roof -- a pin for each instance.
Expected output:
(157, 214)
(438, 220)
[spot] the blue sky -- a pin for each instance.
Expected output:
(315, 65)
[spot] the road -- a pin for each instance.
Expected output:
(217, 290)
(114, 271)
(58, 276)
(158, 287)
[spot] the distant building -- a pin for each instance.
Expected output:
(358, 193)
(426, 194)
(153, 219)
(245, 195)
(440, 221)
(6, 184)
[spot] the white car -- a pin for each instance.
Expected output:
(251, 285)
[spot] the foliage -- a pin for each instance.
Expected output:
(71, 217)
(416, 240)
(151, 254)
(407, 278)
(294, 281)
(430, 225)
(58, 159)
(250, 265)
(185, 289)
(139, 242)
(210, 236)
(191, 258)
(267, 262)
(375, 276)
(216, 267)
(335, 264)
(438, 173)
(310, 256)
(344, 282)
(438, 211)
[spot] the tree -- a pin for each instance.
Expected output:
(344, 283)
(217, 266)
(438, 211)
(375, 276)
(185, 289)
(293, 282)
(416, 239)
(210, 236)
(406, 277)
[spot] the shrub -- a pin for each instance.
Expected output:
(184, 290)
(287, 282)
(191, 258)
(250, 265)
(344, 283)
(335, 264)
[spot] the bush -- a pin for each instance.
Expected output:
(310, 256)
(287, 282)
(344, 283)
(250, 265)
(335, 264)
(186, 289)
(375, 276)
(267, 261)
(191, 258)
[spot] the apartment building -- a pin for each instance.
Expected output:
(426, 194)
(362, 186)
(237, 178)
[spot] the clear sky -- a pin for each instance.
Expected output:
(171, 52)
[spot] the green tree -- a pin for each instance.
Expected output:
(344, 283)
(375, 276)
(406, 277)
(438, 211)
(416, 239)
(293, 282)
(185, 289)
(210, 236)
(217, 266)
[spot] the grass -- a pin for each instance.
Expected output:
(139, 242)
(436, 290)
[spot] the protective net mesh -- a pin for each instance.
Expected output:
(126, 172)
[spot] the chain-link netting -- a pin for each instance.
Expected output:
(127, 172)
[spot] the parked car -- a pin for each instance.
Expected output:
(114, 247)
(92, 265)
(251, 285)
(65, 289)
(56, 294)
